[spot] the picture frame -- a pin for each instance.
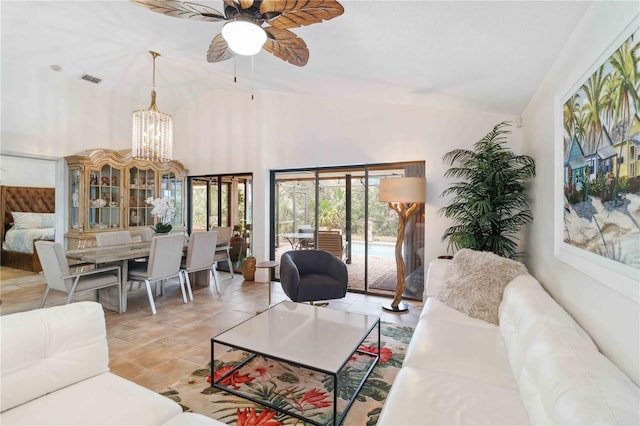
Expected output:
(596, 195)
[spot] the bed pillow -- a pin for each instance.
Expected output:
(475, 282)
(25, 220)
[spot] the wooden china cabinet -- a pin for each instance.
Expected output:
(108, 191)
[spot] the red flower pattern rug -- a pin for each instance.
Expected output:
(297, 389)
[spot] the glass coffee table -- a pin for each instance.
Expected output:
(319, 339)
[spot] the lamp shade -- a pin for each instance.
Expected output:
(403, 190)
(244, 38)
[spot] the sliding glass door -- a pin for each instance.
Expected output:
(220, 201)
(337, 210)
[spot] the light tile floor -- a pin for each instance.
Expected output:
(156, 350)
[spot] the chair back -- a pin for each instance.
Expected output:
(104, 239)
(331, 241)
(224, 235)
(307, 242)
(201, 251)
(147, 234)
(165, 256)
(54, 264)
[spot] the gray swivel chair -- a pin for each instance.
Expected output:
(313, 275)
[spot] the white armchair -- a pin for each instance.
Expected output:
(56, 270)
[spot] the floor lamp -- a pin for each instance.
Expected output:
(404, 195)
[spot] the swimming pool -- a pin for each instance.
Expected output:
(374, 249)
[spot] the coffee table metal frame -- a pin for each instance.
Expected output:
(334, 374)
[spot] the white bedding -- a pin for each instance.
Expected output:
(21, 240)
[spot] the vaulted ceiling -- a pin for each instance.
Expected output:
(483, 55)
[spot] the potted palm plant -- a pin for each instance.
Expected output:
(490, 203)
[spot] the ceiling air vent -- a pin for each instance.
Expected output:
(91, 79)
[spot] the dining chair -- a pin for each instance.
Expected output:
(113, 238)
(56, 271)
(223, 245)
(164, 263)
(200, 254)
(146, 234)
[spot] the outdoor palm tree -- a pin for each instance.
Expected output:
(490, 204)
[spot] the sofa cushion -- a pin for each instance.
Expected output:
(48, 349)
(101, 400)
(562, 377)
(459, 345)
(424, 397)
(475, 282)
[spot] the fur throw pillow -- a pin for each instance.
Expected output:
(475, 282)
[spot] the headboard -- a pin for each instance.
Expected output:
(25, 199)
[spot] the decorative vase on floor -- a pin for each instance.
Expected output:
(249, 268)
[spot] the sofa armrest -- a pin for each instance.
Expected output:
(435, 276)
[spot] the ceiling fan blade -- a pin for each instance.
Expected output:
(219, 50)
(287, 46)
(239, 4)
(181, 9)
(298, 13)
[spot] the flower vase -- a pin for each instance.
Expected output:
(163, 228)
(249, 268)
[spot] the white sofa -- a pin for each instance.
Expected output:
(54, 370)
(537, 367)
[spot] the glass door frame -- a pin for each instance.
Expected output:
(219, 180)
(317, 172)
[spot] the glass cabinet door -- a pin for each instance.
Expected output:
(141, 187)
(172, 186)
(104, 198)
(74, 202)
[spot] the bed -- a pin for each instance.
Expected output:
(17, 244)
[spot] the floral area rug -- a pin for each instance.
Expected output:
(297, 389)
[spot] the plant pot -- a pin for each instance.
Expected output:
(249, 268)
(162, 228)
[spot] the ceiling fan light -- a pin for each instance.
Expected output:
(244, 38)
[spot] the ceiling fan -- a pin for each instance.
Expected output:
(269, 19)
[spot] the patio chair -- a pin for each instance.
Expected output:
(331, 241)
(56, 270)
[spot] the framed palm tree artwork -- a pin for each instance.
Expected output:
(598, 163)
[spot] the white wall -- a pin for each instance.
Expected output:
(21, 171)
(45, 113)
(612, 320)
(228, 133)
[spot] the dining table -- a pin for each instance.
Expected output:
(294, 238)
(122, 254)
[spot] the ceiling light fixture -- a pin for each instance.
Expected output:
(152, 133)
(243, 37)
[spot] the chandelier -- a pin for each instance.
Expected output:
(152, 133)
